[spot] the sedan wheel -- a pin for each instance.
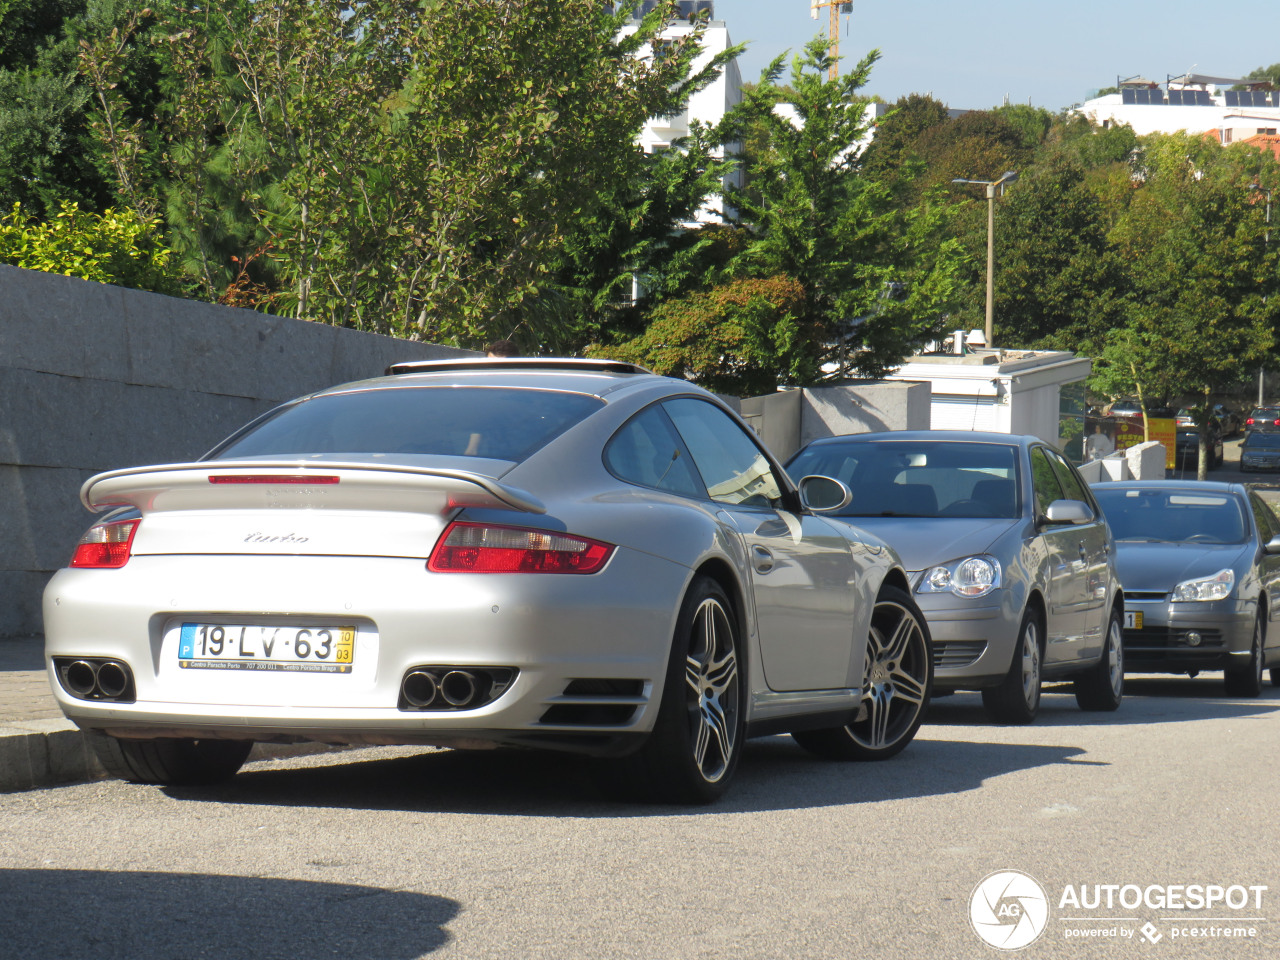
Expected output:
(1017, 699)
(1247, 681)
(697, 740)
(897, 681)
(1102, 688)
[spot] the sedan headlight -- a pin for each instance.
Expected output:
(971, 577)
(1217, 587)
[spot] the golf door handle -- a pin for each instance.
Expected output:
(763, 559)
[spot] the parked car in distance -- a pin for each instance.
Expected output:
(571, 555)
(1229, 419)
(1226, 420)
(1260, 450)
(1263, 420)
(1200, 564)
(1188, 445)
(1124, 408)
(1009, 558)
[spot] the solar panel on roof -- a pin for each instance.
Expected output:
(1203, 99)
(1175, 98)
(1233, 98)
(1128, 96)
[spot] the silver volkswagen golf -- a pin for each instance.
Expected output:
(1010, 558)
(574, 555)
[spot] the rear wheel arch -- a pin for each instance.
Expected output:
(722, 573)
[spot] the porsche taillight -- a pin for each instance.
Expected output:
(106, 545)
(492, 548)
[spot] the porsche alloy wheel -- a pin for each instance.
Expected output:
(897, 681)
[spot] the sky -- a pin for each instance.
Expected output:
(1051, 54)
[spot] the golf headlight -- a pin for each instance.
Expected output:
(971, 577)
(1217, 587)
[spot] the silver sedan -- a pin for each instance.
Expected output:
(573, 555)
(1010, 559)
(1200, 562)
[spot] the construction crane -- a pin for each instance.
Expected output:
(836, 7)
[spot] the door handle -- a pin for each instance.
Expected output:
(763, 559)
(1084, 554)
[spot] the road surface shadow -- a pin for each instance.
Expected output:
(775, 774)
(106, 915)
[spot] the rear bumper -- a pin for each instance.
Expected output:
(551, 629)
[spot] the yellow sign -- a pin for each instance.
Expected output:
(1163, 430)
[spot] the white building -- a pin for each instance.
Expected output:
(1041, 393)
(708, 105)
(1193, 102)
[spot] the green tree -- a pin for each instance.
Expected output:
(1204, 301)
(1058, 282)
(871, 278)
(1271, 73)
(415, 167)
(46, 153)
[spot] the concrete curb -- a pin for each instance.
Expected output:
(43, 753)
(53, 753)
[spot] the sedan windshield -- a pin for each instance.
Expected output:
(927, 478)
(498, 423)
(1172, 516)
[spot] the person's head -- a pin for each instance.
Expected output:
(502, 348)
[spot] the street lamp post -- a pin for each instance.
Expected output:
(1266, 239)
(1008, 177)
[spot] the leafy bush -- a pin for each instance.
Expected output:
(117, 247)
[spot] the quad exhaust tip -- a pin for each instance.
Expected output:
(453, 688)
(92, 678)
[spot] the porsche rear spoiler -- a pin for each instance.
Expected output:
(300, 484)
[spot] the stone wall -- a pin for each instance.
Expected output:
(789, 419)
(95, 377)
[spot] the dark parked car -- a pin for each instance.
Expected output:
(1229, 419)
(1200, 564)
(1008, 555)
(1263, 419)
(1188, 445)
(1260, 451)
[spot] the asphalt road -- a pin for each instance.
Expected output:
(399, 853)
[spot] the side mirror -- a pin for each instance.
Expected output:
(823, 494)
(1069, 511)
(1272, 545)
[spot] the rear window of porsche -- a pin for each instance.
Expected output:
(498, 423)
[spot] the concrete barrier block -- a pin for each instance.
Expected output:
(1147, 460)
(20, 594)
(58, 324)
(43, 517)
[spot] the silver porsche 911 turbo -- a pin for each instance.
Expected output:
(574, 555)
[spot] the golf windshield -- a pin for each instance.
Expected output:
(927, 478)
(1172, 516)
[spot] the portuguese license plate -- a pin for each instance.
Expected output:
(1133, 619)
(235, 646)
